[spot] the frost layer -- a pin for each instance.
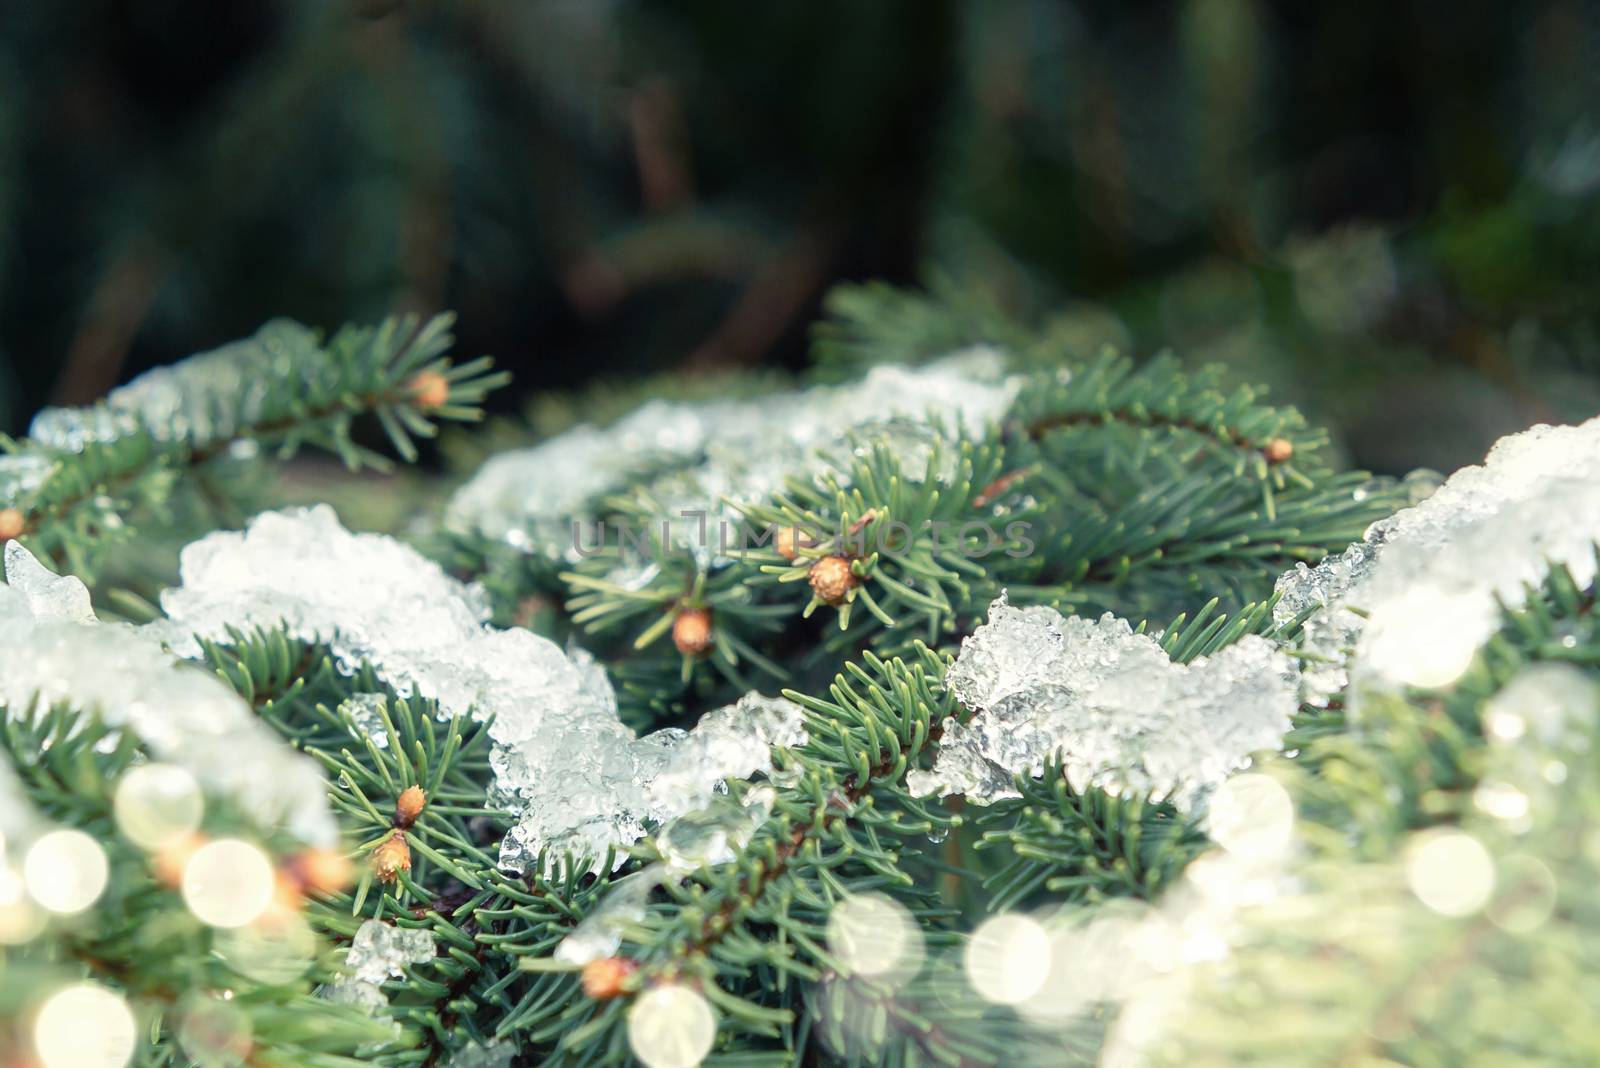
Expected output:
(734, 450)
(200, 400)
(564, 763)
(56, 651)
(1109, 703)
(1426, 578)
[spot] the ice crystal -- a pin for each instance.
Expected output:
(577, 778)
(494, 1055)
(589, 788)
(600, 934)
(702, 837)
(203, 399)
(380, 951)
(1428, 577)
(535, 499)
(1110, 704)
(734, 742)
(715, 832)
(366, 717)
(58, 653)
(50, 597)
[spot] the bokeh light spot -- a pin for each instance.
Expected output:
(157, 805)
(1008, 958)
(84, 1026)
(1450, 872)
(671, 1026)
(228, 883)
(874, 936)
(65, 871)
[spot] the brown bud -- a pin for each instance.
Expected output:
(411, 802)
(429, 389)
(1278, 450)
(691, 631)
(606, 978)
(832, 580)
(787, 543)
(170, 860)
(12, 523)
(391, 858)
(321, 871)
(1000, 485)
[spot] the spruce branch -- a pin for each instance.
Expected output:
(112, 465)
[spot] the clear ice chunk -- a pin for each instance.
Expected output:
(50, 597)
(564, 764)
(600, 933)
(378, 952)
(494, 1055)
(366, 716)
(735, 742)
(1486, 533)
(701, 837)
(381, 951)
(58, 653)
(364, 996)
(1110, 704)
(714, 833)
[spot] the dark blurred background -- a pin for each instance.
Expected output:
(1388, 211)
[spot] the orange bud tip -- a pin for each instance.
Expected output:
(691, 631)
(607, 978)
(1278, 450)
(430, 389)
(12, 523)
(409, 806)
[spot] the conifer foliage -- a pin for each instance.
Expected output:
(982, 701)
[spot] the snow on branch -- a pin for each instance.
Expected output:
(1109, 703)
(1418, 596)
(575, 776)
(734, 450)
(57, 652)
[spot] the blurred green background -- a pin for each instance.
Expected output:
(1390, 212)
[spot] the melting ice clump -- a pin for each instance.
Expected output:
(378, 952)
(742, 450)
(1425, 580)
(1109, 703)
(576, 776)
(59, 653)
